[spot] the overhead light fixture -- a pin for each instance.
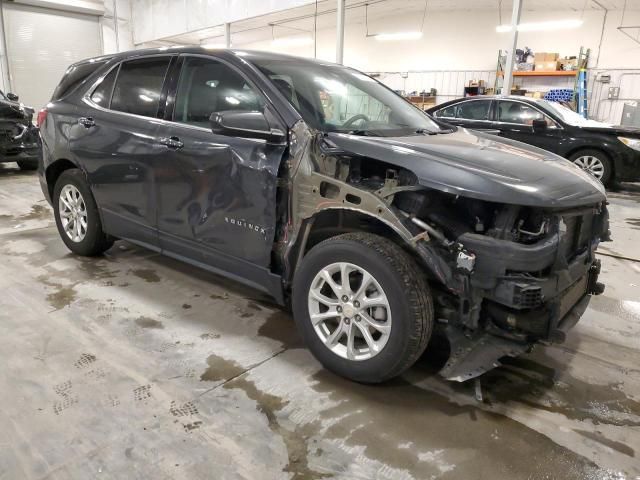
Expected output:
(542, 26)
(291, 41)
(398, 36)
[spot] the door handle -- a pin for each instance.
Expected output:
(87, 122)
(172, 142)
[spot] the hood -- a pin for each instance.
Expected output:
(482, 166)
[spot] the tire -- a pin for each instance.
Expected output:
(94, 241)
(28, 164)
(403, 285)
(588, 158)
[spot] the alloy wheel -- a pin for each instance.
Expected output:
(591, 164)
(73, 213)
(349, 311)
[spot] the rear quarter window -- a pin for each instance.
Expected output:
(74, 76)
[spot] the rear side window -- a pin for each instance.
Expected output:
(474, 110)
(139, 85)
(102, 94)
(74, 76)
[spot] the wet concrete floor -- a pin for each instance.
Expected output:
(132, 365)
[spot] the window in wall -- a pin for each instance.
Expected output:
(139, 86)
(208, 86)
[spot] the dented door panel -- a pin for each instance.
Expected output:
(219, 192)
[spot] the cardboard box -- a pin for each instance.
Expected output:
(541, 57)
(547, 66)
(476, 83)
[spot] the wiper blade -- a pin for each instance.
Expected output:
(363, 133)
(424, 131)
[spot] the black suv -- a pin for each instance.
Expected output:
(320, 186)
(608, 152)
(19, 140)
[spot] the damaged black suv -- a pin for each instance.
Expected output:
(320, 186)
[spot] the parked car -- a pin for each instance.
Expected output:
(19, 141)
(609, 153)
(318, 185)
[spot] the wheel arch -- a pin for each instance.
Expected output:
(332, 222)
(54, 170)
(597, 148)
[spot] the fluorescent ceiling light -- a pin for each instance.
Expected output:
(292, 41)
(542, 26)
(398, 36)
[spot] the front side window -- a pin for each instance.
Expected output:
(520, 113)
(332, 98)
(139, 86)
(448, 112)
(474, 110)
(208, 86)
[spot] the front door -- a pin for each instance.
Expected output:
(515, 120)
(216, 193)
(116, 139)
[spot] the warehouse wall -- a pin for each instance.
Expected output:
(158, 19)
(457, 47)
(468, 40)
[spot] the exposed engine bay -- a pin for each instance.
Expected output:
(503, 276)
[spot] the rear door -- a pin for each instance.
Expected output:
(515, 119)
(216, 194)
(115, 138)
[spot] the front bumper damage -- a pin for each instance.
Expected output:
(517, 308)
(494, 295)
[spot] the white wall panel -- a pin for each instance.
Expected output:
(158, 19)
(41, 44)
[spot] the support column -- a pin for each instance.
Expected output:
(340, 33)
(513, 44)
(227, 35)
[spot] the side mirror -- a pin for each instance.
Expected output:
(539, 125)
(244, 124)
(13, 97)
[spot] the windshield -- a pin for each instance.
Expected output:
(339, 99)
(571, 117)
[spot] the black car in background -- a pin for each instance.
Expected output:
(325, 189)
(610, 153)
(19, 140)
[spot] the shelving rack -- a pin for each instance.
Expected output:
(580, 75)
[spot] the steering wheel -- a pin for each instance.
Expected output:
(355, 118)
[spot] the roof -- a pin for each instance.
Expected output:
(248, 54)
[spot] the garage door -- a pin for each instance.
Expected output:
(41, 44)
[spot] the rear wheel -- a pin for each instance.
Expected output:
(594, 162)
(77, 215)
(28, 164)
(363, 307)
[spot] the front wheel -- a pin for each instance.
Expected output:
(363, 307)
(77, 216)
(594, 162)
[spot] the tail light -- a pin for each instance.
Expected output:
(42, 116)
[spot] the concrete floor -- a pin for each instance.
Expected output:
(135, 366)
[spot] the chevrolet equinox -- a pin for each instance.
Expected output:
(320, 186)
